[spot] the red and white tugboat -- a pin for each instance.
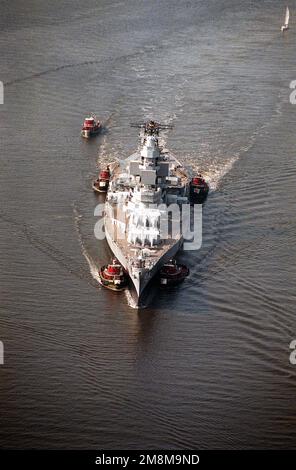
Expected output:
(101, 184)
(91, 126)
(172, 273)
(199, 189)
(113, 276)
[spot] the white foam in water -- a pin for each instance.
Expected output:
(212, 169)
(91, 263)
(215, 173)
(214, 165)
(130, 300)
(102, 156)
(107, 153)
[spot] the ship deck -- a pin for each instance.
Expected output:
(130, 250)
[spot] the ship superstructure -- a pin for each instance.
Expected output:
(140, 190)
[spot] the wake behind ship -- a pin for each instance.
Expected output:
(140, 190)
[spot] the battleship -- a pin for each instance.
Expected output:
(141, 188)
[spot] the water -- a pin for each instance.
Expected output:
(205, 365)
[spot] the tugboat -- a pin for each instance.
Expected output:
(101, 184)
(91, 126)
(172, 273)
(113, 276)
(199, 189)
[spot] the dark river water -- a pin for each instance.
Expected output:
(206, 364)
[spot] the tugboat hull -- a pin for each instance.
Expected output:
(111, 286)
(91, 126)
(101, 184)
(98, 187)
(166, 279)
(109, 280)
(198, 195)
(87, 133)
(198, 190)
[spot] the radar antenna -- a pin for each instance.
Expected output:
(151, 127)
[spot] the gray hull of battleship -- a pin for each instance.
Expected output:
(141, 283)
